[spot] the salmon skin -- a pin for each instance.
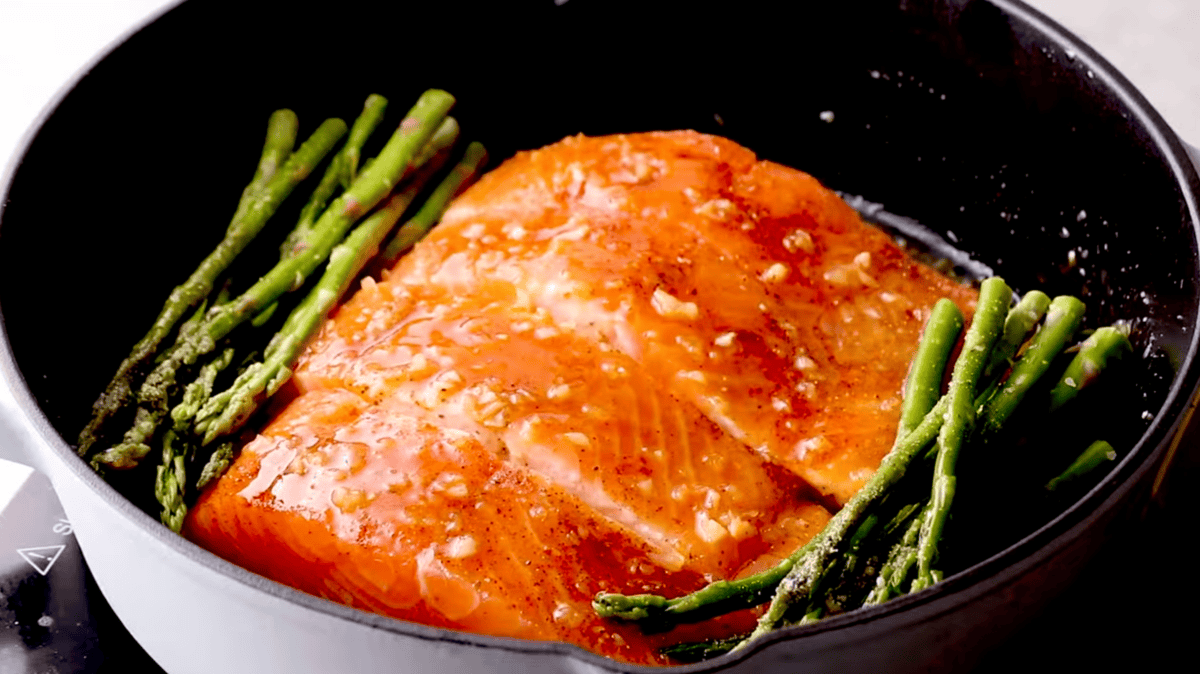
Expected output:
(626, 364)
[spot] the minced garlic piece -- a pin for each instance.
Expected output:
(577, 438)
(800, 240)
(461, 546)
(808, 445)
(439, 389)
(574, 234)
(474, 231)
(740, 529)
(349, 500)
(846, 275)
(714, 208)
(515, 231)
(776, 273)
(708, 529)
(668, 306)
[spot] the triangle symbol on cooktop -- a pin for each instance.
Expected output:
(41, 559)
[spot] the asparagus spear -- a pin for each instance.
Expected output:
(1104, 344)
(701, 650)
(994, 297)
(848, 566)
(366, 191)
(269, 187)
(1062, 321)
(1092, 458)
(168, 481)
(419, 225)
(282, 128)
(171, 476)
(216, 465)
(1021, 320)
(923, 387)
(340, 172)
(342, 169)
(899, 563)
(229, 410)
(1046, 345)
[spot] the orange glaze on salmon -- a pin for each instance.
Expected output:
(619, 364)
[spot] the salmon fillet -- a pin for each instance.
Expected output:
(627, 364)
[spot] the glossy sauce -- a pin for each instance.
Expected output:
(625, 363)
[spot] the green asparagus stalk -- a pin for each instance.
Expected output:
(1092, 458)
(282, 128)
(270, 185)
(1062, 321)
(443, 139)
(229, 410)
(923, 387)
(169, 480)
(1021, 320)
(419, 225)
(342, 169)
(171, 477)
(340, 172)
(715, 598)
(988, 323)
(216, 465)
(701, 650)
(901, 558)
(836, 590)
(1095, 352)
(366, 191)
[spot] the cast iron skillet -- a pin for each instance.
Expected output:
(980, 119)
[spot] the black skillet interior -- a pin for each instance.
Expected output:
(957, 113)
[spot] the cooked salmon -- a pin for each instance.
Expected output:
(631, 363)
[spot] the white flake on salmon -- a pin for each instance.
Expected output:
(776, 273)
(799, 240)
(669, 306)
